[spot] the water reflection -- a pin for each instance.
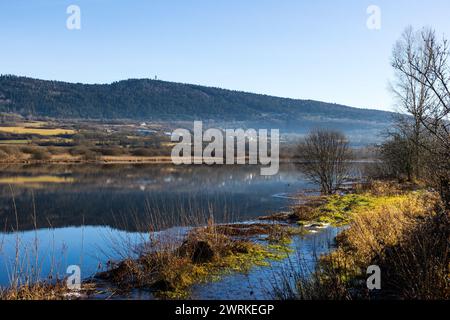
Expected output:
(77, 214)
(137, 197)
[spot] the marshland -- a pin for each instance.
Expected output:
(105, 198)
(142, 228)
(147, 231)
(87, 185)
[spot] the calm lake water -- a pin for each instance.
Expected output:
(86, 214)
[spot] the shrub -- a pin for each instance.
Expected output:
(144, 152)
(10, 150)
(78, 151)
(40, 155)
(56, 150)
(111, 151)
(3, 155)
(29, 149)
(90, 155)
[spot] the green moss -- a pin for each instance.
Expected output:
(256, 255)
(339, 209)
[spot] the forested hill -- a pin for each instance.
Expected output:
(146, 99)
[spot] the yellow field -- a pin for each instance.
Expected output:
(14, 141)
(37, 179)
(39, 131)
(33, 124)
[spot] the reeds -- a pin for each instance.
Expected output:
(168, 266)
(25, 272)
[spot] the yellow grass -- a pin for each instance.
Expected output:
(168, 144)
(14, 141)
(34, 124)
(403, 234)
(36, 179)
(39, 131)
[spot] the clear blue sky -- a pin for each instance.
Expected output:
(306, 49)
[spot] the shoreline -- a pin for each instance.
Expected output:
(206, 253)
(145, 160)
(278, 231)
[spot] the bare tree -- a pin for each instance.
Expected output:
(324, 157)
(413, 98)
(422, 68)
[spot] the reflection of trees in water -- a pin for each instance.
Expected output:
(140, 176)
(137, 198)
(131, 211)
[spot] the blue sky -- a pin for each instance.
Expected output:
(306, 49)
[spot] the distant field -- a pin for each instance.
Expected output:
(14, 141)
(39, 131)
(34, 124)
(37, 179)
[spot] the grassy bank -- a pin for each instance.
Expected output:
(403, 231)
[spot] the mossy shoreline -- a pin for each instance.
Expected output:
(402, 228)
(206, 254)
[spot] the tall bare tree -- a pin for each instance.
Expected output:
(412, 97)
(324, 157)
(422, 68)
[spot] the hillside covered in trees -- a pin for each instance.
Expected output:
(144, 99)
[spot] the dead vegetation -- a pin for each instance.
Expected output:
(46, 291)
(205, 254)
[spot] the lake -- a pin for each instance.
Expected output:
(85, 214)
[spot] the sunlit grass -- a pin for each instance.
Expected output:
(341, 209)
(37, 179)
(14, 141)
(36, 130)
(401, 229)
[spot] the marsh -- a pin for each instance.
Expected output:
(84, 214)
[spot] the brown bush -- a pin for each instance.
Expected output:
(3, 155)
(10, 150)
(85, 153)
(111, 151)
(408, 239)
(41, 155)
(29, 149)
(418, 266)
(56, 150)
(91, 155)
(79, 151)
(144, 152)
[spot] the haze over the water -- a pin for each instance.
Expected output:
(321, 50)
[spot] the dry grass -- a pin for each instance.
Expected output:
(46, 291)
(407, 235)
(205, 254)
(6, 142)
(339, 210)
(38, 131)
(39, 291)
(22, 180)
